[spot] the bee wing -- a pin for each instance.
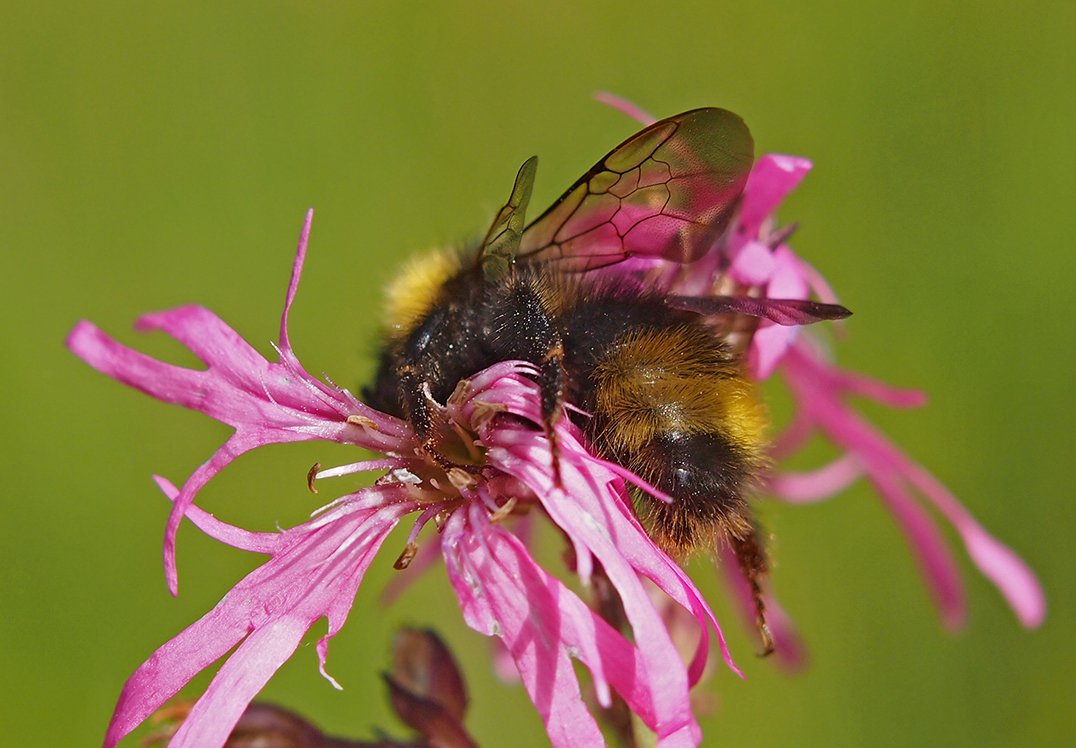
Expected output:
(782, 311)
(501, 244)
(667, 191)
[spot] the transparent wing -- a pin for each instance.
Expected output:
(501, 244)
(781, 311)
(667, 191)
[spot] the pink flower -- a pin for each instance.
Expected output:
(542, 625)
(755, 258)
(315, 569)
(760, 260)
(820, 390)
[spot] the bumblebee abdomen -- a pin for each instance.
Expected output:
(671, 402)
(706, 475)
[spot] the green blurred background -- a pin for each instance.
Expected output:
(154, 155)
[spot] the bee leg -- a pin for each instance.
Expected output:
(551, 385)
(551, 382)
(420, 409)
(752, 560)
(417, 406)
(528, 332)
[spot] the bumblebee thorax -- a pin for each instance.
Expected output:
(417, 289)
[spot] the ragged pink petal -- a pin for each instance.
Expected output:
(885, 394)
(793, 436)
(822, 483)
(314, 572)
(243, 675)
(293, 282)
(626, 106)
(773, 177)
(820, 390)
(592, 509)
(590, 506)
(1013, 578)
(817, 282)
(998, 563)
(236, 537)
(266, 403)
(753, 264)
(935, 561)
(504, 593)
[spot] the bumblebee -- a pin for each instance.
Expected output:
(664, 389)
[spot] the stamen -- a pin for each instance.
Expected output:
(460, 478)
(311, 476)
(358, 467)
(503, 512)
(461, 393)
(406, 557)
(484, 412)
(768, 646)
(467, 439)
(175, 711)
(362, 422)
(401, 475)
